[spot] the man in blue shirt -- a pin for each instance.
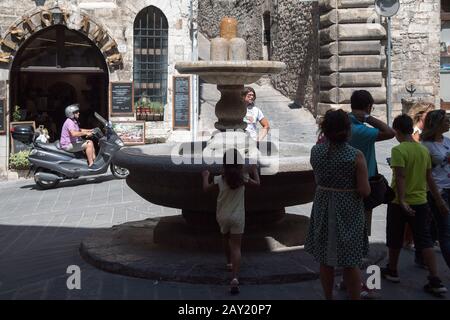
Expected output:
(363, 136)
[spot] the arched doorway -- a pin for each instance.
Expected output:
(55, 67)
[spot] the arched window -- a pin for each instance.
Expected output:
(150, 57)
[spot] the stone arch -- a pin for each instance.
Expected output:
(41, 18)
(67, 58)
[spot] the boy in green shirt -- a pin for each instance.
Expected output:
(411, 164)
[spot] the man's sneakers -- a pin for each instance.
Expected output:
(435, 286)
(390, 275)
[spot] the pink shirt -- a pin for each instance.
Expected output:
(66, 138)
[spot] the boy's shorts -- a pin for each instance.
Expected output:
(420, 225)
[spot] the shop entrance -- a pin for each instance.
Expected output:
(52, 69)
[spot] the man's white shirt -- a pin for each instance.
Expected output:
(253, 116)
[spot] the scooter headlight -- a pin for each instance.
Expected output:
(120, 143)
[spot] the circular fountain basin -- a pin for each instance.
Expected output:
(170, 175)
(230, 72)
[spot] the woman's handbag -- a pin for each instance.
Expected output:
(380, 192)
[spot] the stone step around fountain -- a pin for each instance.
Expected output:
(129, 250)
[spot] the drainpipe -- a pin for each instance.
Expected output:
(194, 57)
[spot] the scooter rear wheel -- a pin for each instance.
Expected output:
(44, 184)
(119, 172)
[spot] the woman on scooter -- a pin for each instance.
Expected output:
(71, 135)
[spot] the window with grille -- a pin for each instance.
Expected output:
(150, 63)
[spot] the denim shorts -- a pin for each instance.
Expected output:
(420, 225)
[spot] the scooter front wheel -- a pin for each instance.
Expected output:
(119, 172)
(45, 184)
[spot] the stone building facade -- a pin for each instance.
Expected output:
(314, 69)
(110, 25)
(283, 30)
(415, 51)
(331, 47)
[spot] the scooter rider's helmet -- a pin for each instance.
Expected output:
(70, 110)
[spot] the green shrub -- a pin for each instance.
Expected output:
(19, 160)
(17, 116)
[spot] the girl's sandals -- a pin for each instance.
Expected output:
(234, 286)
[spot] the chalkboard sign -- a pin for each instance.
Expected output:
(121, 98)
(2, 116)
(16, 145)
(181, 103)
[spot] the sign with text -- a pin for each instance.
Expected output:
(121, 99)
(181, 103)
(2, 115)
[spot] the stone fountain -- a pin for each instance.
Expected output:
(169, 175)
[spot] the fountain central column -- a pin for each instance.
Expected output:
(230, 110)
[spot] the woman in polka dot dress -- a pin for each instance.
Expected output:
(337, 235)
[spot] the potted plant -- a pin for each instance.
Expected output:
(151, 111)
(159, 111)
(18, 163)
(138, 108)
(17, 114)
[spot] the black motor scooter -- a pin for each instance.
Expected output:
(50, 164)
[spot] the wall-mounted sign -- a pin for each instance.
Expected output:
(131, 132)
(2, 116)
(121, 99)
(181, 102)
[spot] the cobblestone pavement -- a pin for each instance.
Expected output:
(40, 232)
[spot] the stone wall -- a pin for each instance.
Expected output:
(247, 12)
(415, 51)
(296, 44)
(117, 18)
(293, 39)
(351, 54)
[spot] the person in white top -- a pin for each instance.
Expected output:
(254, 115)
(230, 212)
(436, 124)
(418, 113)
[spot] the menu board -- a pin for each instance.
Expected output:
(181, 103)
(121, 98)
(2, 116)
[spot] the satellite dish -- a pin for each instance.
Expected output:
(387, 8)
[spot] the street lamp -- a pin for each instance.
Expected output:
(388, 8)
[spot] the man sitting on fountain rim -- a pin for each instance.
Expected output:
(254, 115)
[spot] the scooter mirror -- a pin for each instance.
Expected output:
(100, 118)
